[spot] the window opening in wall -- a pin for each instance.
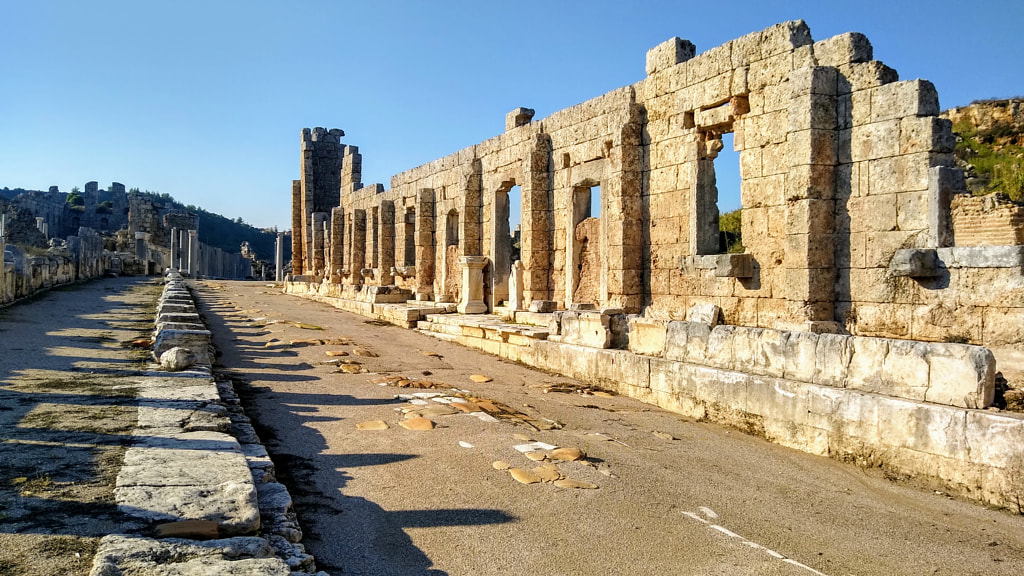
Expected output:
(586, 244)
(727, 176)
(452, 268)
(410, 237)
(506, 247)
(717, 209)
(508, 225)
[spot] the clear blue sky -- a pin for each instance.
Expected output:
(205, 100)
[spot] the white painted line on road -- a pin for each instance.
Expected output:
(727, 532)
(711, 514)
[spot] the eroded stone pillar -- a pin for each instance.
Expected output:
(425, 239)
(175, 258)
(317, 248)
(3, 266)
(337, 243)
(193, 253)
(387, 243)
(472, 285)
(279, 258)
(358, 259)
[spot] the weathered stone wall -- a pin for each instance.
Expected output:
(842, 167)
(21, 275)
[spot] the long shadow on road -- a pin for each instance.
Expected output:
(317, 478)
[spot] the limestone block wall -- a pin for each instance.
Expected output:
(842, 167)
(941, 373)
(22, 275)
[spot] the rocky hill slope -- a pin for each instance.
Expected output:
(990, 145)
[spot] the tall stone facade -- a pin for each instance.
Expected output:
(847, 181)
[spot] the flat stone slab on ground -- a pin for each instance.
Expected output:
(135, 556)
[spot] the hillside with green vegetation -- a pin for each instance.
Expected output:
(223, 232)
(990, 146)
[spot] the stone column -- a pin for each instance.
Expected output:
(298, 232)
(358, 259)
(425, 240)
(193, 253)
(387, 243)
(279, 258)
(3, 266)
(182, 250)
(337, 243)
(472, 285)
(175, 261)
(317, 244)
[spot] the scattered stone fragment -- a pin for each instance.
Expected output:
(567, 454)
(430, 410)
(603, 394)
(534, 447)
(271, 343)
(305, 342)
(177, 358)
(466, 444)
(191, 529)
(536, 456)
(372, 425)
(522, 437)
(337, 353)
(484, 417)
(480, 378)
(524, 476)
(339, 342)
(579, 484)
(547, 474)
(664, 435)
(465, 406)
(351, 368)
(500, 465)
(417, 423)
(431, 354)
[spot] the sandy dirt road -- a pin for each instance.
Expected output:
(673, 496)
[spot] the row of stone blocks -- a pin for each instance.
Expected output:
(942, 373)
(774, 393)
(197, 470)
(178, 325)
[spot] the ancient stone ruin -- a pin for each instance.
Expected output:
(840, 327)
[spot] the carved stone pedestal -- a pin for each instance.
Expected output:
(472, 285)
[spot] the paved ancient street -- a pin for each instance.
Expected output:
(673, 496)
